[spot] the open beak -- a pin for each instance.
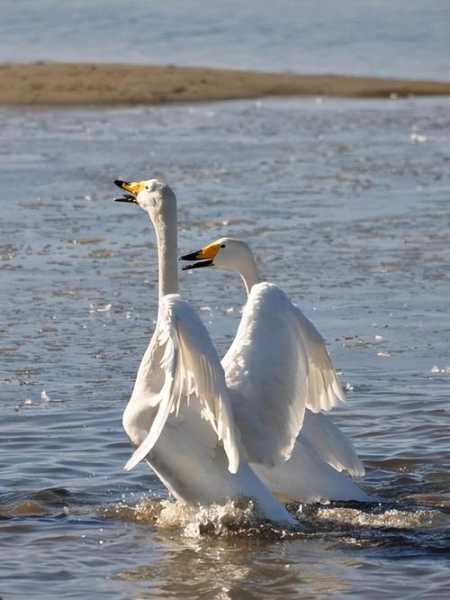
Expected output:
(197, 265)
(133, 188)
(204, 257)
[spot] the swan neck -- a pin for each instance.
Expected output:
(249, 273)
(166, 236)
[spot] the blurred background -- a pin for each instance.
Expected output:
(384, 38)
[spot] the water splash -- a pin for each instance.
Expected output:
(392, 518)
(361, 524)
(218, 520)
(234, 518)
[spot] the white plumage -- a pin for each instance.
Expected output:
(184, 362)
(179, 416)
(330, 444)
(279, 365)
(281, 373)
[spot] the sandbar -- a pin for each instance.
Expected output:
(83, 84)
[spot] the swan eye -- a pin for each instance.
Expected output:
(222, 246)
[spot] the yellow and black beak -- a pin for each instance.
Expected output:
(205, 257)
(133, 188)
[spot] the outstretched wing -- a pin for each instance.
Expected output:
(279, 365)
(267, 368)
(189, 369)
(324, 388)
(328, 441)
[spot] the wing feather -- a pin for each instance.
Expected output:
(328, 441)
(324, 389)
(266, 367)
(191, 370)
(278, 365)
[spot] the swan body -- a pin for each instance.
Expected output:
(179, 417)
(313, 451)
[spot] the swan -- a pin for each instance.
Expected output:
(321, 452)
(179, 417)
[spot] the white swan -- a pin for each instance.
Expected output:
(321, 450)
(179, 416)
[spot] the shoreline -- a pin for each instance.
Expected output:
(96, 84)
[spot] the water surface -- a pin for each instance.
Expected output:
(346, 206)
(385, 38)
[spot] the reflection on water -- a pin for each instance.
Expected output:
(228, 570)
(344, 210)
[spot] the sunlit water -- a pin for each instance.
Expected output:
(384, 38)
(347, 207)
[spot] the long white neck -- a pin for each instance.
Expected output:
(249, 272)
(165, 225)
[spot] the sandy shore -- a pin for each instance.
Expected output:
(65, 84)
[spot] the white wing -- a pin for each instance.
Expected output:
(328, 441)
(324, 389)
(279, 364)
(306, 478)
(181, 365)
(267, 369)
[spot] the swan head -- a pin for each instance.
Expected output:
(152, 195)
(225, 253)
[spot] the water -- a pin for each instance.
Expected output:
(346, 205)
(384, 38)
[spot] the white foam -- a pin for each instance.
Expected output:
(232, 518)
(389, 519)
(417, 138)
(100, 308)
(440, 370)
(215, 519)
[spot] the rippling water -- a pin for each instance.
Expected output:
(346, 204)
